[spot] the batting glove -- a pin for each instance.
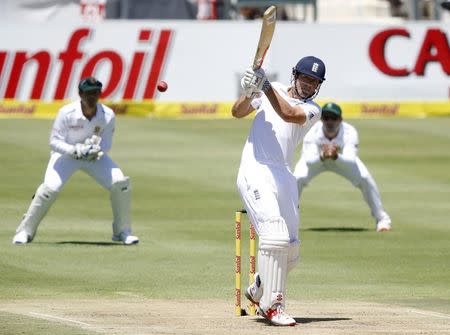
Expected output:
(254, 81)
(250, 82)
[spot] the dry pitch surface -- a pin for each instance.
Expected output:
(134, 315)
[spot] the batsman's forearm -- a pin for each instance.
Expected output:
(287, 112)
(242, 107)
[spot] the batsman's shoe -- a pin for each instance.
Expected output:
(261, 312)
(126, 239)
(21, 237)
(277, 316)
(254, 292)
(384, 225)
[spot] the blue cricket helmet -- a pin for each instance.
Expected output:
(311, 66)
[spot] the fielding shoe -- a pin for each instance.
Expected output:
(384, 225)
(21, 237)
(254, 292)
(277, 316)
(126, 239)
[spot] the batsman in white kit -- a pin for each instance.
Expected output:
(80, 139)
(265, 181)
(332, 145)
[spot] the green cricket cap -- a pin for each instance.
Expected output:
(89, 84)
(332, 108)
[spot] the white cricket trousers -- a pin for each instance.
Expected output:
(269, 191)
(355, 172)
(61, 167)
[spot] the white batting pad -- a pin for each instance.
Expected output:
(121, 203)
(272, 261)
(42, 200)
(293, 254)
(274, 232)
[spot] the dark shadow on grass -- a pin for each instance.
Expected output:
(310, 320)
(306, 320)
(337, 229)
(97, 243)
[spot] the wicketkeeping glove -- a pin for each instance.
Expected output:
(95, 152)
(80, 150)
(93, 140)
(89, 150)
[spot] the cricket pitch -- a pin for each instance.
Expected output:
(131, 314)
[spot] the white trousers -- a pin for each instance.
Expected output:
(269, 192)
(61, 167)
(355, 172)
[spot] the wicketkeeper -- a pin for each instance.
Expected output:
(80, 139)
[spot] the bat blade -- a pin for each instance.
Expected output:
(267, 30)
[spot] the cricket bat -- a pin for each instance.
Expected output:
(267, 30)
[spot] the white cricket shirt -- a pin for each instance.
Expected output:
(272, 140)
(71, 127)
(346, 140)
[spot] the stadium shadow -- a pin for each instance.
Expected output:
(338, 229)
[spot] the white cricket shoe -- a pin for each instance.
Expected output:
(126, 239)
(254, 292)
(384, 225)
(21, 238)
(277, 316)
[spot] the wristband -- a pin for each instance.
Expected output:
(266, 86)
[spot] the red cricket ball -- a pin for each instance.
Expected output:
(162, 86)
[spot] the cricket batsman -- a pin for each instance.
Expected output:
(267, 187)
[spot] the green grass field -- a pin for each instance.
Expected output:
(184, 197)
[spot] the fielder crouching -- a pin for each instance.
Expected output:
(332, 145)
(80, 139)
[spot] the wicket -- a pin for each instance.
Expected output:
(252, 264)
